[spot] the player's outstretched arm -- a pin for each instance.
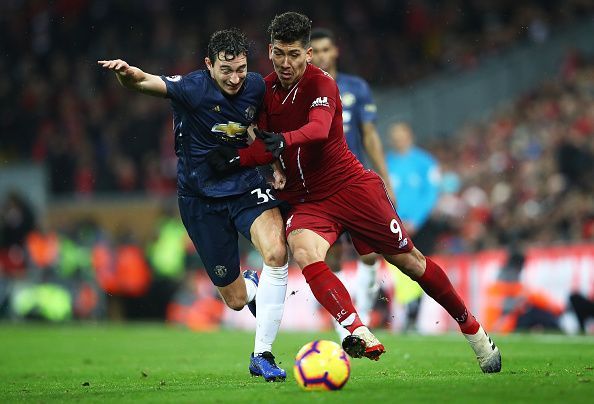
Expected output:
(135, 79)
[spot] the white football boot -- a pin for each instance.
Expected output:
(363, 343)
(487, 353)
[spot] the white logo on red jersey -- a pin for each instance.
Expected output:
(320, 102)
(403, 243)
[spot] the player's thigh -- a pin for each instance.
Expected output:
(411, 263)
(310, 232)
(369, 259)
(257, 217)
(307, 247)
(214, 236)
(268, 236)
(368, 215)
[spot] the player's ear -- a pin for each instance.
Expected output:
(270, 51)
(208, 64)
(309, 54)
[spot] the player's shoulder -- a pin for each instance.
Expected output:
(316, 78)
(193, 78)
(255, 82)
(255, 78)
(196, 76)
(315, 73)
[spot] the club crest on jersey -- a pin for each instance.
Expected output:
(348, 99)
(231, 130)
(250, 112)
(320, 102)
(220, 270)
(174, 78)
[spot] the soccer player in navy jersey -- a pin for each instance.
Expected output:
(215, 107)
(329, 191)
(358, 121)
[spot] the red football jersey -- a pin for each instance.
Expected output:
(316, 164)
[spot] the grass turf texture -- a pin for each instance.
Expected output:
(152, 363)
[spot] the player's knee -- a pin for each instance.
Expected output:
(411, 264)
(369, 259)
(303, 257)
(275, 255)
(235, 303)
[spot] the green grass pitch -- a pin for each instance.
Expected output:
(153, 363)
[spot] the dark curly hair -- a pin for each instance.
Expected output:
(290, 27)
(232, 42)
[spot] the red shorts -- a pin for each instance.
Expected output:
(363, 209)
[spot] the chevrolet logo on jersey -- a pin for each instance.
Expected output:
(231, 130)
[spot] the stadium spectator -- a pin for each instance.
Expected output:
(81, 128)
(415, 176)
(532, 173)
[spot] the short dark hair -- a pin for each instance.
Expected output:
(232, 42)
(290, 27)
(322, 33)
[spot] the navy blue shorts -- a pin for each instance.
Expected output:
(213, 225)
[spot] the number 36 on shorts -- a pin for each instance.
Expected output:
(263, 196)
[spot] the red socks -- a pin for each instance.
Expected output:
(437, 285)
(331, 293)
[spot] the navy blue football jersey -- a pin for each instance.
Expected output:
(203, 119)
(357, 108)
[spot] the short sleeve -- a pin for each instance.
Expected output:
(186, 90)
(367, 107)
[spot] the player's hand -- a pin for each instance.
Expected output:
(223, 160)
(278, 176)
(275, 142)
(117, 65)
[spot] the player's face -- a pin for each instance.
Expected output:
(228, 74)
(325, 53)
(289, 61)
(402, 138)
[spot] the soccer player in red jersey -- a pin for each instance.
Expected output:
(329, 191)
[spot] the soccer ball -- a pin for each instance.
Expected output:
(321, 365)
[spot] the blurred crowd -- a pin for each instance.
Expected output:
(82, 272)
(526, 174)
(59, 108)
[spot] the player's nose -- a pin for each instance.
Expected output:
(234, 78)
